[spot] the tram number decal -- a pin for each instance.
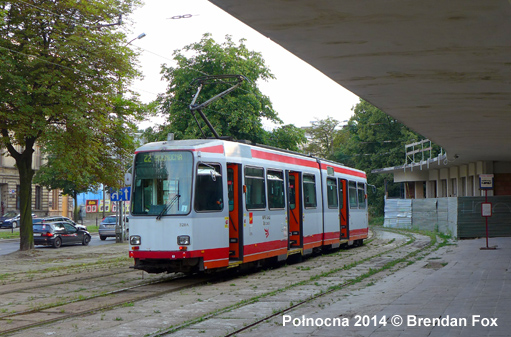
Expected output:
(267, 232)
(149, 158)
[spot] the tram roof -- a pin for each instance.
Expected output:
(219, 146)
(178, 144)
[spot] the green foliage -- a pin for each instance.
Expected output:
(287, 137)
(374, 140)
(62, 67)
(323, 138)
(239, 114)
(55, 174)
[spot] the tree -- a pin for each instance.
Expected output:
(374, 140)
(322, 137)
(54, 176)
(63, 66)
(288, 137)
(239, 114)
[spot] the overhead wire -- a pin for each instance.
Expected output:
(65, 67)
(46, 61)
(74, 69)
(51, 12)
(31, 5)
(121, 27)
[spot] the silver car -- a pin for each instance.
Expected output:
(107, 227)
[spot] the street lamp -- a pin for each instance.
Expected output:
(137, 38)
(120, 227)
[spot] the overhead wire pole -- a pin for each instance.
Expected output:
(120, 225)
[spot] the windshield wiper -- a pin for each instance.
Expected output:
(169, 205)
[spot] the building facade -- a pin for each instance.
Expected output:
(444, 194)
(44, 202)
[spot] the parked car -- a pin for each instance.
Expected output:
(107, 227)
(49, 219)
(59, 233)
(11, 219)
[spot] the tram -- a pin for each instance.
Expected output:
(208, 204)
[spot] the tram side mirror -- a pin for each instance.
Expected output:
(373, 187)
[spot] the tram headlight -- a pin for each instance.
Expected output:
(183, 240)
(135, 240)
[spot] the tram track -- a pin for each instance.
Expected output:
(390, 263)
(394, 264)
(60, 280)
(78, 306)
(321, 272)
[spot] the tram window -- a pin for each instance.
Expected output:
(230, 188)
(254, 180)
(341, 194)
(292, 192)
(361, 196)
(276, 199)
(331, 192)
(352, 191)
(309, 191)
(162, 183)
(208, 188)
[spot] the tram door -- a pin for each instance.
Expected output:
(294, 215)
(235, 212)
(343, 208)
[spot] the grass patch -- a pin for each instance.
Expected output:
(7, 234)
(376, 220)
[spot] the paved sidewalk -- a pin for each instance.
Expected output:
(467, 291)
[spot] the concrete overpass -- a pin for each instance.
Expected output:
(441, 67)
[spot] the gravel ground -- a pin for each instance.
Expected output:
(273, 289)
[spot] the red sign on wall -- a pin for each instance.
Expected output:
(91, 206)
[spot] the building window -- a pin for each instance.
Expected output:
(38, 197)
(470, 186)
(36, 162)
(55, 199)
(454, 187)
(443, 188)
(463, 187)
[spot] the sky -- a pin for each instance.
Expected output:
(300, 93)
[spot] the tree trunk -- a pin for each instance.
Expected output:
(24, 164)
(76, 209)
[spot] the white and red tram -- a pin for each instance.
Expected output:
(203, 204)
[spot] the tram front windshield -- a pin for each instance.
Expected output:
(162, 183)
